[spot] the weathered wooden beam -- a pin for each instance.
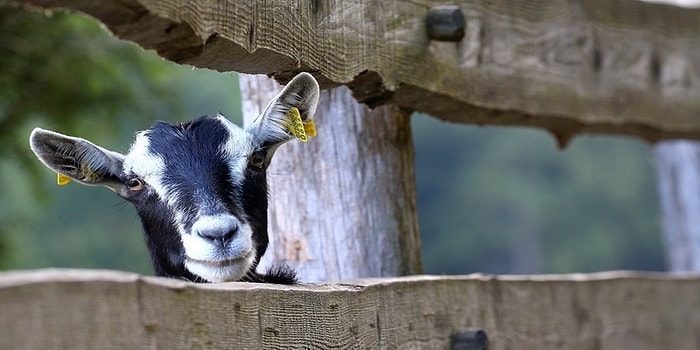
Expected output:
(603, 66)
(74, 309)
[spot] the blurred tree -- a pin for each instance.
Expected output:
(56, 66)
(64, 72)
(678, 168)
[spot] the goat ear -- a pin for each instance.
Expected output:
(273, 127)
(78, 159)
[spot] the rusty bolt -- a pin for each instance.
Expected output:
(474, 339)
(445, 23)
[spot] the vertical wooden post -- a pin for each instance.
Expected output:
(343, 205)
(678, 168)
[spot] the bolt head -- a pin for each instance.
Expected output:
(473, 339)
(445, 23)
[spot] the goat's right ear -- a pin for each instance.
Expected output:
(273, 127)
(78, 159)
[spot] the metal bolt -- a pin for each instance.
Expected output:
(474, 339)
(445, 23)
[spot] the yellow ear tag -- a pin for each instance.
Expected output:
(62, 180)
(295, 125)
(310, 128)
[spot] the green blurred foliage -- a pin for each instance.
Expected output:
(57, 67)
(64, 72)
(503, 200)
(490, 199)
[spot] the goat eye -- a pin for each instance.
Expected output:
(134, 184)
(256, 160)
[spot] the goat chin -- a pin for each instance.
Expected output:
(222, 270)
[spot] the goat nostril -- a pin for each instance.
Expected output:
(229, 234)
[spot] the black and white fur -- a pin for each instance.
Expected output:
(199, 187)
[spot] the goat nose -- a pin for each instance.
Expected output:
(220, 229)
(217, 235)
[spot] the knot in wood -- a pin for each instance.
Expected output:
(445, 23)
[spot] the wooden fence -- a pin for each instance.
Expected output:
(89, 309)
(614, 66)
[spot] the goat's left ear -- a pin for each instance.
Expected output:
(78, 159)
(273, 127)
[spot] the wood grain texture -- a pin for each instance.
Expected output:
(603, 66)
(84, 309)
(342, 205)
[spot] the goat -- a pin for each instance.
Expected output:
(199, 187)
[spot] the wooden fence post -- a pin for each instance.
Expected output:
(678, 169)
(343, 205)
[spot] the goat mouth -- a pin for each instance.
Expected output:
(221, 263)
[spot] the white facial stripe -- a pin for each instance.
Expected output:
(148, 166)
(238, 147)
(140, 161)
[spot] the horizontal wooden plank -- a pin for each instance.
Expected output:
(603, 66)
(90, 309)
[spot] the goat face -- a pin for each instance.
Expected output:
(199, 187)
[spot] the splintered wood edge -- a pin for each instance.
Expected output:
(603, 66)
(64, 275)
